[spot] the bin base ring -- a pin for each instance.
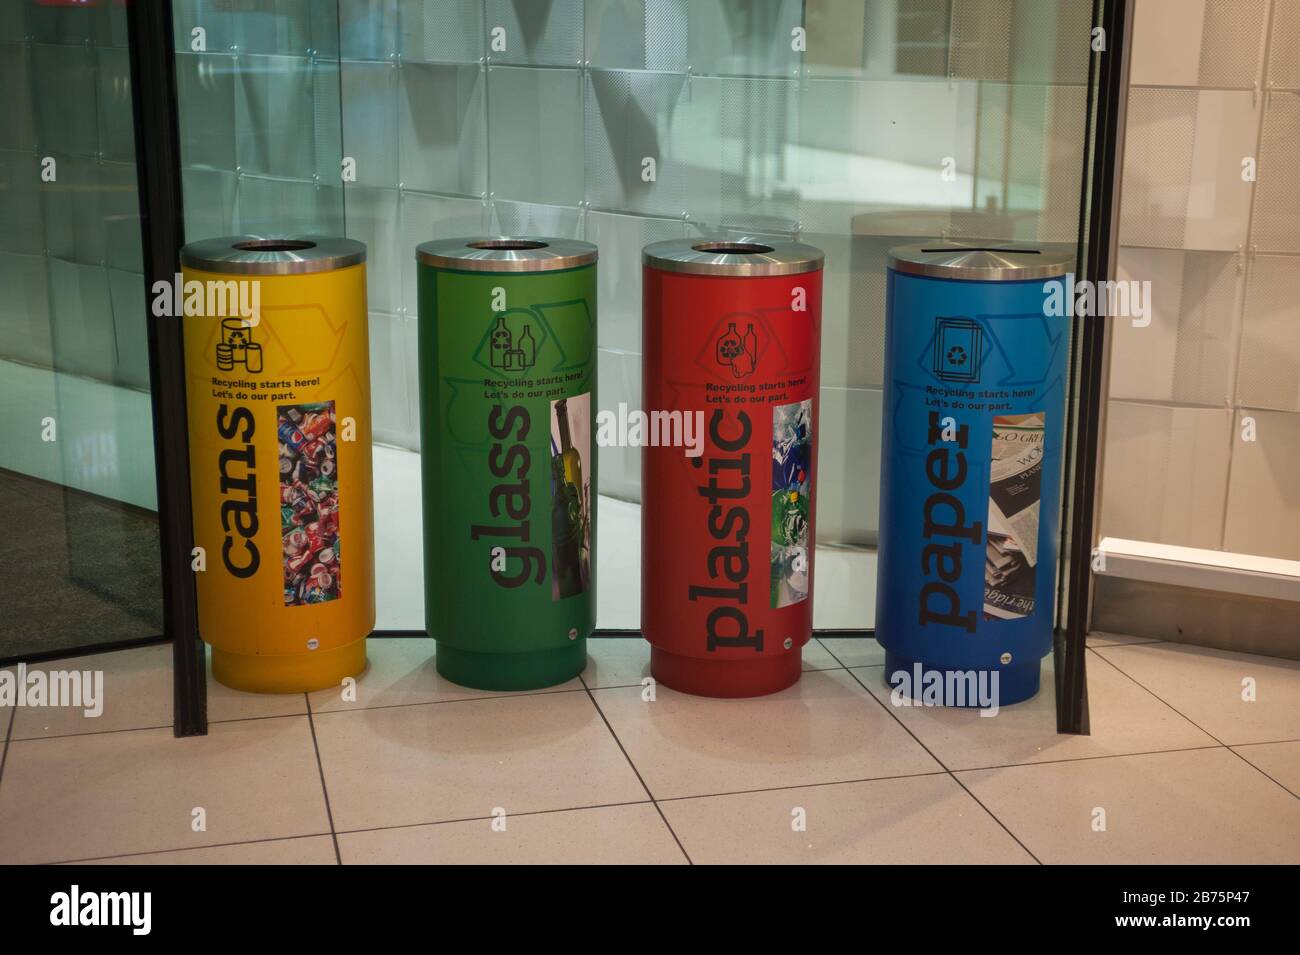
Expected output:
(729, 678)
(1016, 683)
(533, 670)
(290, 672)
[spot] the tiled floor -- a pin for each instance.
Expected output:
(1194, 757)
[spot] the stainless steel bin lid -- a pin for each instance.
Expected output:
(521, 253)
(735, 257)
(273, 255)
(983, 262)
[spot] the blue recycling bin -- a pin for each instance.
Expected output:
(976, 343)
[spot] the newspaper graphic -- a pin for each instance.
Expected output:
(1015, 490)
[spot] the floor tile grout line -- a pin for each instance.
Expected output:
(1136, 642)
(363, 829)
(618, 742)
(320, 766)
(1260, 770)
(512, 815)
(1006, 828)
(517, 694)
(1086, 759)
(213, 845)
(1263, 742)
(651, 801)
(628, 686)
(1137, 682)
(894, 716)
(4, 750)
(1217, 744)
(777, 789)
(304, 712)
(951, 775)
(836, 658)
(1178, 749)
(385, 706)
(160, 726)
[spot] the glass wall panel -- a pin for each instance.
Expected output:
(853, 126)
(80, 559)
(1203, 423)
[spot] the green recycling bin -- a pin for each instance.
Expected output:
(507, 342)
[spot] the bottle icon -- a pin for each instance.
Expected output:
(511, 352)
(729, 345)
(748, 357)
(500, 341)
(528, 346)
(738, 352)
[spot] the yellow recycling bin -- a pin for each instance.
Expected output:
(277, 366)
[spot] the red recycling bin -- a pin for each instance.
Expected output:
(731, 340)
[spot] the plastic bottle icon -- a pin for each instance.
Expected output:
(744, 363)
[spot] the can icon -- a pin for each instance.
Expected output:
(731, 338)
(277, 366)
(507, 349)
(237, 347)
(975, 366)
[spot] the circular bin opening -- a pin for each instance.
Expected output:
(274, 245)
(977, 248)
(509, 245)
(733, 248)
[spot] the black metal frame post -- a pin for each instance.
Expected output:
(1098, 240)
(162, 230)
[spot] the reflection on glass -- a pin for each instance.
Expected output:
(80, 562)
(850, 126)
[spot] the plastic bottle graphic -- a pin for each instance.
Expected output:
(527, 345)
(748, 356)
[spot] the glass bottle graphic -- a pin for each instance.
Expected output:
(500, 342)
(566, 510)
(527, 347)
